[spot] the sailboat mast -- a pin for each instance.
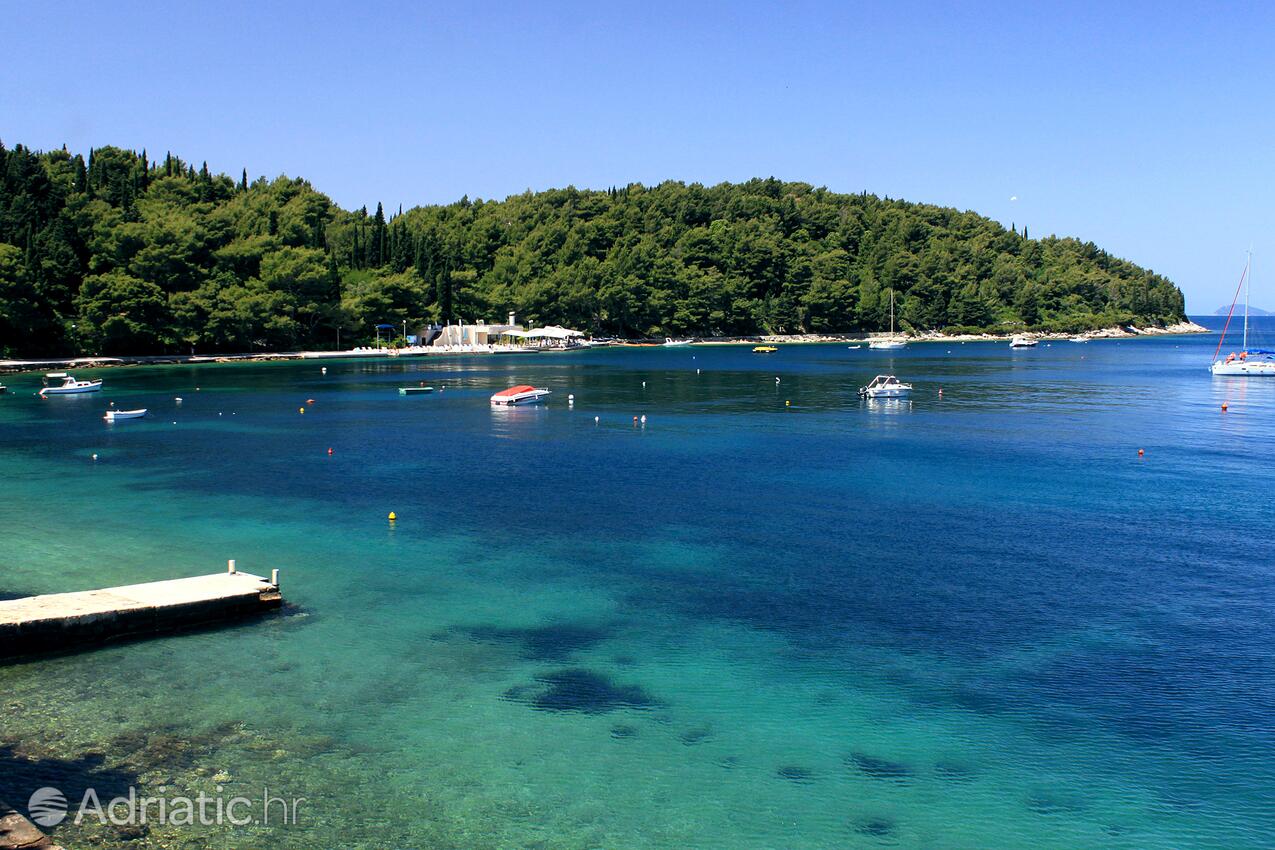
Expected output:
(1248, 285)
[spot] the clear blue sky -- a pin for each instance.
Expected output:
(1144, 127)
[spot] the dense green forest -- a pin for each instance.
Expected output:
(115, 253)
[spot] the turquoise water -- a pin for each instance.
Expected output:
(771, 616)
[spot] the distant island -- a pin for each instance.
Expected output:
(1239, 311)
(116, 253)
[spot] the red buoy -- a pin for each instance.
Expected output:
(1141, 452)
(329, 451)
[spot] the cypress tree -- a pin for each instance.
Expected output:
(378, 237)
(243, 181)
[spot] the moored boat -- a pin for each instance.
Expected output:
(69, 385)
(521, 394)
(1023, 342)
(415, 390)
(891, 342)
(1248, 362)
(116, 415)
(885, 386)
(764, 349)
(670, 342)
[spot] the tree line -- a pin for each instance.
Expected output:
(115, 253)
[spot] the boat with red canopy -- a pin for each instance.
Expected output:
(521, 394)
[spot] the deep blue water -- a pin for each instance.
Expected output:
(772, 615)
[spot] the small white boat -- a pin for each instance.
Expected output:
(69, 385)
(1079, 339)
(415, 390)
(669, 341)
(885, 386)
(521, 394)
(854, 347)
(3, 388)
(115, 415)
(1023, 342)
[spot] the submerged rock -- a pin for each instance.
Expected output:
(795, 773)
(879, 768)
(582, 690)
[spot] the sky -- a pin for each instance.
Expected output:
(1144, 127)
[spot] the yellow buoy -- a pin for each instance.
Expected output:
(300, 410)
(393, 516)
(787, 404)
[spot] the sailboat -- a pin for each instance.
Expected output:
(1257, 362)
(891, 341)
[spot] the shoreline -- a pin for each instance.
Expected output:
(89, 362)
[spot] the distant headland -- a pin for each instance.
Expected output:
(119, 252)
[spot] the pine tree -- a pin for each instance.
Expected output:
(243, 181)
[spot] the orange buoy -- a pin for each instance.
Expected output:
(329, 451)
(309, 401)
(1224, 407)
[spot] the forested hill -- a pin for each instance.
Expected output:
(119, 253)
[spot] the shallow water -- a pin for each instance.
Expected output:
(978, 620)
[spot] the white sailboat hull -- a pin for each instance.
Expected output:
(1250, 368)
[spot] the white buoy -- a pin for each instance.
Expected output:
(643, 418)
(178, 399)
(324, 370)
(644, 383)
(776, 380)
(697, 371)
(595, 420)
(94, 455)
(571, 397)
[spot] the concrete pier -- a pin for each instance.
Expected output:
(86, 619)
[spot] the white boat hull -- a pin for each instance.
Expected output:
(887, 346)
(1248, 368)
(92, 387)
(517, 402)
(888, 393)
(115, 415)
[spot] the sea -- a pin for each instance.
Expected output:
(702, 598)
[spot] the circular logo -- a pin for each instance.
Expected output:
(47, 807)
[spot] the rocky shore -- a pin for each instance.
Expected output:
(1114, 332)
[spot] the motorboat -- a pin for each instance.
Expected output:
(415, 390)
(1079, 339)
(69, 385)
(1250, 362)
(670, 342)
(764, 349)
(885, 386)
(116, 415)
(1023, 342)
(3, 388)
(521, 394)
(854, 347)
(891, 342)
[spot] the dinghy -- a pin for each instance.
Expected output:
(115, 415)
